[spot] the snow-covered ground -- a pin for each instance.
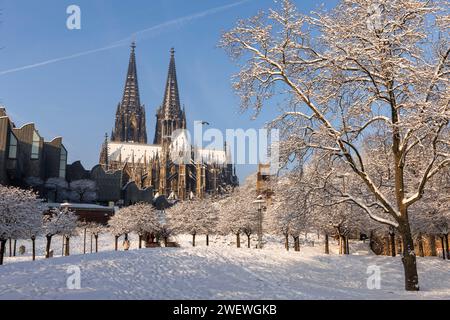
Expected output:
(217, 272)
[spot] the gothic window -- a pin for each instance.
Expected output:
(35, 146)
(12, 154)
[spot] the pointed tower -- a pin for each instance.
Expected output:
(130, 115)
(170, 116)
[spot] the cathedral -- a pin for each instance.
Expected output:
(171, 166)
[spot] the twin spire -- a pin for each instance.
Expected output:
(131, 97)
(130, 115)
(171, 107)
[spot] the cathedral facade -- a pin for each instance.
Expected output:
(171, 166)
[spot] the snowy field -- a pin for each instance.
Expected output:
(217, 272)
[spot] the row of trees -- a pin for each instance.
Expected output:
(234, 214)
(24, 216)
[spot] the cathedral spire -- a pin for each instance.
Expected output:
(171, 107)
(130, 116)
(131, 96)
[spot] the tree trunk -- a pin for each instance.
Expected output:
(2, 250)
(432, 245)
(393, 250)
(14, 247)
(92, 242)
(442, 246)
(193, 240)
(447, 249)
(387, 250)
(238, 240)
(47, 248)
(10, 247)
(165, 242)
(409, 260)
(96, 243)
(126, 237)
(400, 245)
(347, 245)
(248, 241)
(341, 244)
(207, 240)
(420, 245)
(286, 242)
(62, 247)
(296, 243)
(67, 247)
(33, 247)
(140, 242)
(84, 241)
(327, 244)
(116, 243)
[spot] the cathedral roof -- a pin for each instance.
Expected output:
(144, 153)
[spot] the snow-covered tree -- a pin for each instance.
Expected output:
(194, 217)
(432, 215)
(361, 67)
(83, 190)
(20, 215)
(34, 228)
(164, 233)
(122, 224)
(59, 187)
(95, 229)
(238, 213)
(146, 220)
(207, 210)
(289, 213)
(59, 222)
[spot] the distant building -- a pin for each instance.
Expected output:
(155, 166)
(25, 158)
(87, 212)
(112, 187)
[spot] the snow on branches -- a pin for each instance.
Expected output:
(361, 69)
(59, 222)
(238, 213)
(20, 215)
(194, 217)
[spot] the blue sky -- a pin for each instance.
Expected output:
(76, 98)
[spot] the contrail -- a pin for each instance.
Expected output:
(152, 31)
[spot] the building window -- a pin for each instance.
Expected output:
(12, 146)
(63, 163)
(35, 146)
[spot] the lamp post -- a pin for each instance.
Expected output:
(259, 201)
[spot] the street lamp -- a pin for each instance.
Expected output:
(259, 201)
